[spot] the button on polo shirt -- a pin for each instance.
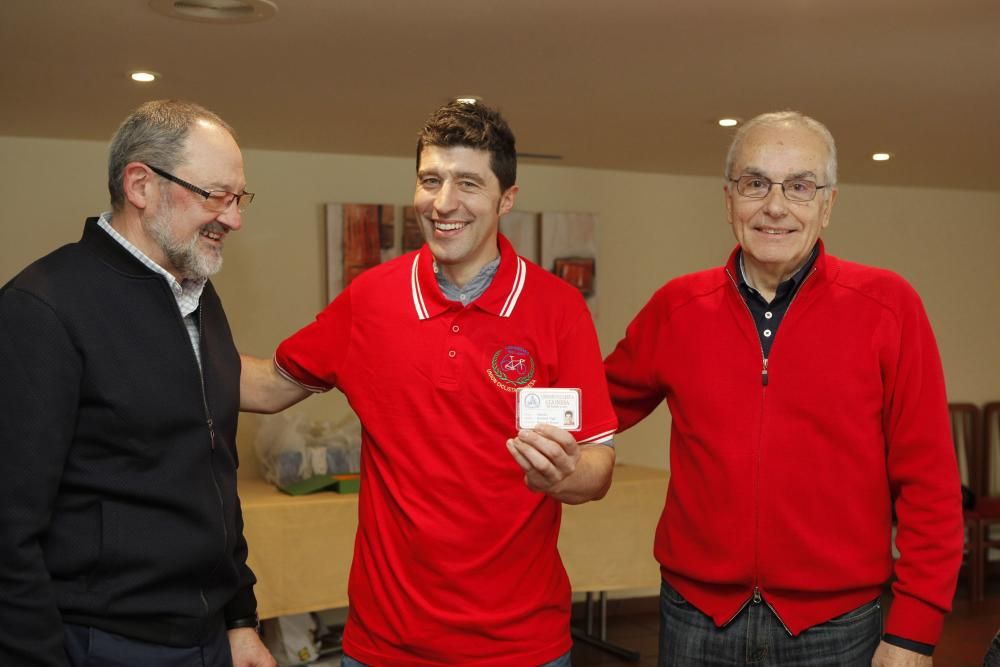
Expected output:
(447, 528)
(768, 315)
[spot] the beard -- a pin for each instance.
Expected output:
(187, 256)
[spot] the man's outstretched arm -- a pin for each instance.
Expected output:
(264, 389)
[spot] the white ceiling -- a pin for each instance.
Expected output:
(632, 85)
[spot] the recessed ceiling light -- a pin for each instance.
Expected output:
(143, 77)
(467, 99)
(216, 11)
(728, 122)
(881, 157)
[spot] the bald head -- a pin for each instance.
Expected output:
(785, 119)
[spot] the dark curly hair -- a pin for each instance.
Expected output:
(474, 125)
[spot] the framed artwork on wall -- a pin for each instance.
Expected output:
(569, 249)
(358, 237)
(413, 238)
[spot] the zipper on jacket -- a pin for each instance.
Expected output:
(210, 423)
(753, 323)
(756, 598)
(794, 297)
(204, 391)
(763, 370)
(738, 611)
(211, 428)
(780, 620)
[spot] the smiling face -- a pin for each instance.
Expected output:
(188, 236)
(776, 234)
(459, 203)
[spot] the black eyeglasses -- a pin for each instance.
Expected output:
(216, 201)
(758, 187)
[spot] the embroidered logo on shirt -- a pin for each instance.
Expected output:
(512, 368)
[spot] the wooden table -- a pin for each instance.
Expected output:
(301, 547)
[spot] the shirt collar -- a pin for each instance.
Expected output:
(473, 289)
(186, 293)
(786, 286)
(500, 298)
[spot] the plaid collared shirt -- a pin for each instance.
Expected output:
(187, 293)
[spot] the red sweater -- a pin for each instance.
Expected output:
(783, 471)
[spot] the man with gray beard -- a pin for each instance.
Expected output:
(121, 535)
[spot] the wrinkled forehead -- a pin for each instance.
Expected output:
(782, 151)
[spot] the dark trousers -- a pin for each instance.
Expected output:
(90, 647)
(992, 657)
(689, 638)
(562, 661)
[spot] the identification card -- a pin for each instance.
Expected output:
(559, 407)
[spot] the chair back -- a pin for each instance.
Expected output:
(990, 454)
(966, 433)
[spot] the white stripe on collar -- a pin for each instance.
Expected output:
(508, 306)
(418, 297)
(515, 290)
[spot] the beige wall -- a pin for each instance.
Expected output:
(652, 227)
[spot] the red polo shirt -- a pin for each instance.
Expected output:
(455, 560)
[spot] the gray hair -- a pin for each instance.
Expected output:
(786, 118)
(153, 134)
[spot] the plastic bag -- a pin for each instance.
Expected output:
(292, 448)
(292, 639)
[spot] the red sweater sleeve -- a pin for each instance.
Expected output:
(923, 477)
(631, 367)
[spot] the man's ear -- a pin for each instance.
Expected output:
(138, 183)
(728, 198)
(828, 207)
(506, 203)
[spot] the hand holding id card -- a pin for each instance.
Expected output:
(558, 407)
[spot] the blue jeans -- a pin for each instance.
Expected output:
(562, 661)
(689, 638)
(86, 646)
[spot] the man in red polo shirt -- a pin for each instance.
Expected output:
(455, 560)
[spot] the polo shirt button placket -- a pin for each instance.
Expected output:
(455, 328)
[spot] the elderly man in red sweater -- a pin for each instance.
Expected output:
(788, 453)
